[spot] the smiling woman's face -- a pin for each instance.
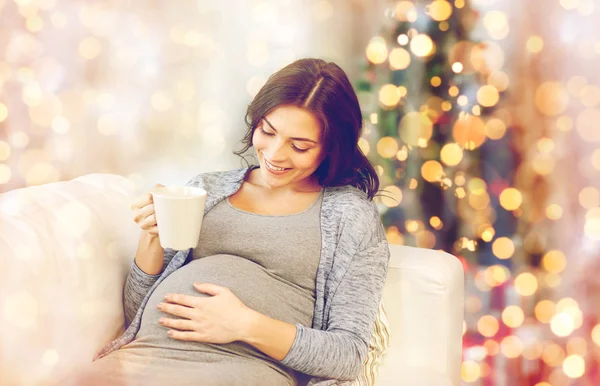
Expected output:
(288, 146)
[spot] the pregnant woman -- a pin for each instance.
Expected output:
(284, 285)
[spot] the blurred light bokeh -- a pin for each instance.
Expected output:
(157, 91)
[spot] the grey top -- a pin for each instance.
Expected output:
(269, 262)
(349, 283)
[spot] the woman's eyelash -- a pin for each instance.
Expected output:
(293, 147)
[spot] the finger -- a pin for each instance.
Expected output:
(141, 201)
(179, 324)
(143, 213)
(153, 230)
(184, 300)
(148, 222)
(209, 288)
(177, 310)
(185, 335)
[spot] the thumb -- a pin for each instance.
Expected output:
(208, 288)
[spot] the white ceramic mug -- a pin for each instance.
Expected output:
(179, 212)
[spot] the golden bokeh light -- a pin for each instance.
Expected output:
(496, 275)
(554, 261)
(364, 146)
(554, 211)
(551, 98)
(564, 123)
(492, 347)
(533, 351)
(499, 80)
(487, 57)
(589, 197)
(89, 48)
(526, 284)
(595, 159)
(391, 196)
(439, 10)
(488, 96)
(574, 366)
(545, 145)
(414, 126)
(425, 239)
(469, 132)
(544, 311)
(470, 371)
(477, 186)
(513, 316)
(596, 334)
(553, 354)
(394, 236)
(436, 81)
(422, 46)
(389, 95)
(50, 357)
(503, 248)
(562, 324)
(496, 23)
(399, 59)
(543, 164)
(587, 125)
(4, 151)
(387, 147)
(495, 128)
(377, 51)
(511, 346)
(511, 199)
(488, 326)
(5, 174)
(436, 223)
(432, 171)
(402, 39)
(451, 154)
(569, 4)
(3, 112)
(406, 11)
(462, 100)
(590, 96)
(535, 44)
(488, 234)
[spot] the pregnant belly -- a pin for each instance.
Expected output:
(251, 283)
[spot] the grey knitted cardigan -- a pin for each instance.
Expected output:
(349, 282)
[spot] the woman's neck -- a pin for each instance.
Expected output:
(307, 185)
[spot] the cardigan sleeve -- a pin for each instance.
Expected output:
(340, 349)
(137, 285)
(138, 282)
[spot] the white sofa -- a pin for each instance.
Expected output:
(65, 251)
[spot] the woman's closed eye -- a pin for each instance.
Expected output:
(299, 150)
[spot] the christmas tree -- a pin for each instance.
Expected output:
(427, 95)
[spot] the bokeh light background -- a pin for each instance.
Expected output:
(156, 91)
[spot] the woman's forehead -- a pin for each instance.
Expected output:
(294, 121)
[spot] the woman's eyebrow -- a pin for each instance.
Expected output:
(294, 138)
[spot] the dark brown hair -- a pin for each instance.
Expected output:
(323, 89)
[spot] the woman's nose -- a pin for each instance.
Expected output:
(277, 152)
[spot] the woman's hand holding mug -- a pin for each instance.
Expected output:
(144, 215)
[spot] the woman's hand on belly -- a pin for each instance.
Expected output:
(220, 318)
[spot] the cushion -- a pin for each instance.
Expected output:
(66, 250)
(380, 341)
